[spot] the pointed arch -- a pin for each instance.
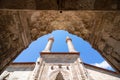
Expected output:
(59, 76)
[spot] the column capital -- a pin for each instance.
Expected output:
(49, 45)
(51, 38)
(68, 38)
(70, 45)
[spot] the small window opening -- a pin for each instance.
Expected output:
(67, 68)
(52, 68)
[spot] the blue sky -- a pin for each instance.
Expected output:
(87, 53)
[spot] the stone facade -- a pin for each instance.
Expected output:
(57, 66)
(53, 63)
(26, 71)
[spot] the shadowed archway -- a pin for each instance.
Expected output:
(19, 28)
(59, 76)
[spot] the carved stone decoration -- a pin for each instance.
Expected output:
(100, 28)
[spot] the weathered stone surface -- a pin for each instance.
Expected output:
(61, 4)
(97, 73)
(20, 71)
(100, 28)
(14, 36)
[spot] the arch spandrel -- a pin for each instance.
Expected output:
(71, 21)
(99, 28)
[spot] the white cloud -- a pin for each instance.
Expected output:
(103, 64)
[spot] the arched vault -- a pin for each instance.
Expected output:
(100, 28)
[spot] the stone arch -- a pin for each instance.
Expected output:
(59, 73)
(99, 28)
(53, 75)
(59, 76)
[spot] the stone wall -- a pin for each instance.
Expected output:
(14, 36)
(61, 4)
(101, 74)
(18, 71)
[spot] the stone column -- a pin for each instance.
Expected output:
(49, 45)
(70, 45)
